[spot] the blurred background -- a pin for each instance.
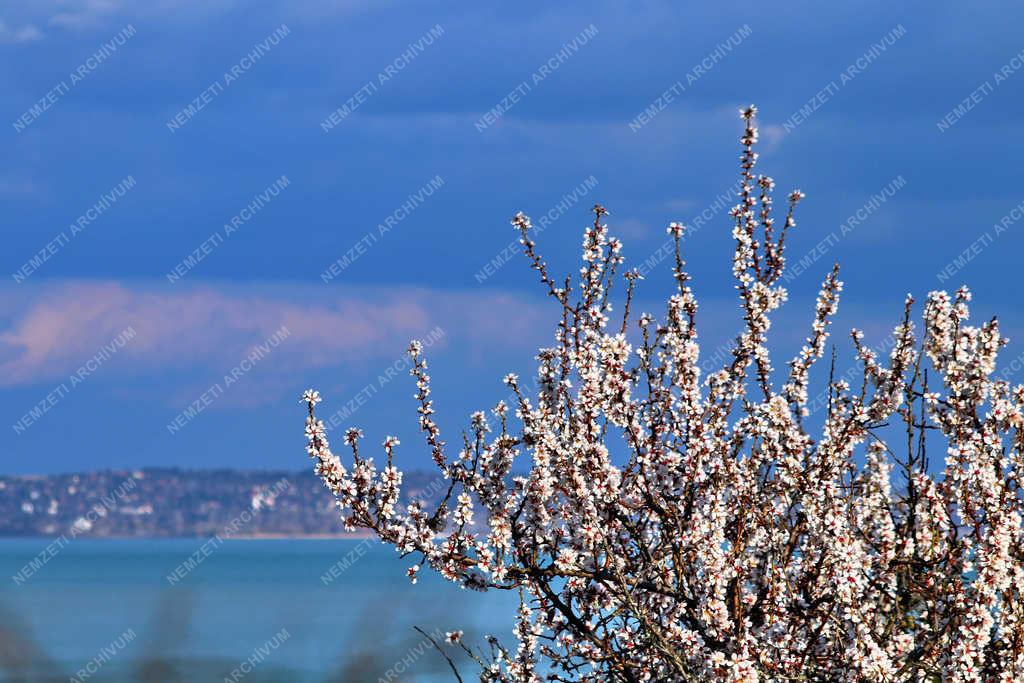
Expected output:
(208, 207)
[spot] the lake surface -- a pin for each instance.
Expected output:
(253, 610)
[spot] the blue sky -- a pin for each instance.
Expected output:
(95, 329)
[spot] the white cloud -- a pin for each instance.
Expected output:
(46, 330)
(78, 15)
(84, 13)
(14, 36)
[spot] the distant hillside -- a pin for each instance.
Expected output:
(173, 502)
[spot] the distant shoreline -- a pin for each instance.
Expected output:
(176, 503)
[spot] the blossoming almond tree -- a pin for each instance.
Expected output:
(664, 526)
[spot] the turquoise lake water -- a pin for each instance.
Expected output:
(252, 610)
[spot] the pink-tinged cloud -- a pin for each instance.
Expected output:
(48, 331)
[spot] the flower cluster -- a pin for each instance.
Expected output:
(660, 525)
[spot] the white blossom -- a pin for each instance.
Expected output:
(664, 525)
